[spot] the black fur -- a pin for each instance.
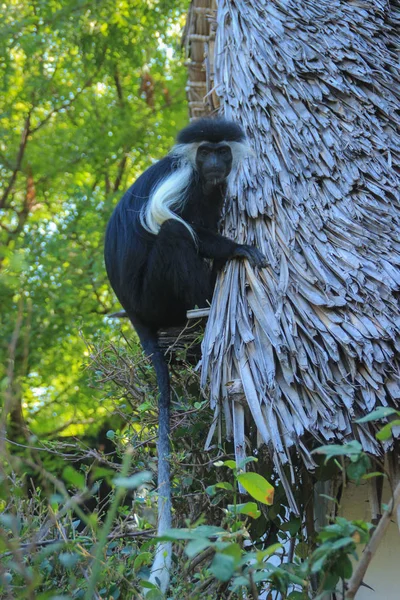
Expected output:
(157, 278)
(211, 130)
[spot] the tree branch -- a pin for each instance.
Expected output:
(372, 546)
(147, 533)
(9, 397)
(121, 169)
(118, 87)
(21, 151)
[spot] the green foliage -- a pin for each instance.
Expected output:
(61, 563)
(329, 559)
(359, 464)
(90, 95)
(108, 553)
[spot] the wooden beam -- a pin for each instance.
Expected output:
(198, 313)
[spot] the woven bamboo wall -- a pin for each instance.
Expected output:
(199, 42)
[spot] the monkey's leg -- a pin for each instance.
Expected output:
(221, 249)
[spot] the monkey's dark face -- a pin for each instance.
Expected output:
(214, 162)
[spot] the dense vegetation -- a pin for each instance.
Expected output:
(90, 94)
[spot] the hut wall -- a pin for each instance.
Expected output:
(383, 572)
(200, 43)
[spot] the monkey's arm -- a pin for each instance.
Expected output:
(220, 248)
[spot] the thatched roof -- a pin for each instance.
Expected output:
(312, 342)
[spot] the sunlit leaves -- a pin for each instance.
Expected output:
(75, 71)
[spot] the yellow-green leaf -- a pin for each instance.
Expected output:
(258, 487)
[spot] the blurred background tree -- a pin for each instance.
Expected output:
(90, 94)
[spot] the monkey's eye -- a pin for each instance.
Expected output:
(203, 152)
(224, 151)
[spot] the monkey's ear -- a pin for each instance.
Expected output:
(186, 152)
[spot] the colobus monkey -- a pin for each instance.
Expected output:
(157, 242)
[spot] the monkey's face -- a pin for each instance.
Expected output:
(214, 162)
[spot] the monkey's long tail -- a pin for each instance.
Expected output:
(162, 562)
(159, 574)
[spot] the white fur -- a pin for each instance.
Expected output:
(186, 152)
(171, 192)
(161, 567)
(240, 151)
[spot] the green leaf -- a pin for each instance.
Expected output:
(330, 581)
(144, 558)
(203, 531)
(148, 585)
(341, 543)
(72, 476)
(211, 490)
(302, 550)
(261, 554)
(356, 470)
(11, 523)
(235, 551)
(194, 547)
(257, 486)
(249, 508)
(246, 460)
(240, 581)
(102, 473)
(386, 432)
(380, 413)
(134, 481)
(224, 485)
(179, 534)
(69, 559)
(223, 566)
(51, 596)
(55, 499)
(317, 565)
(155, 594)
(374, 474)
(353, 448)
(231, 464)
(343, 567)
(292, 526)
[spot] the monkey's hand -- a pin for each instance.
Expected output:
(253, 255)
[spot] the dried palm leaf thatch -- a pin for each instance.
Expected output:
(314, 338)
